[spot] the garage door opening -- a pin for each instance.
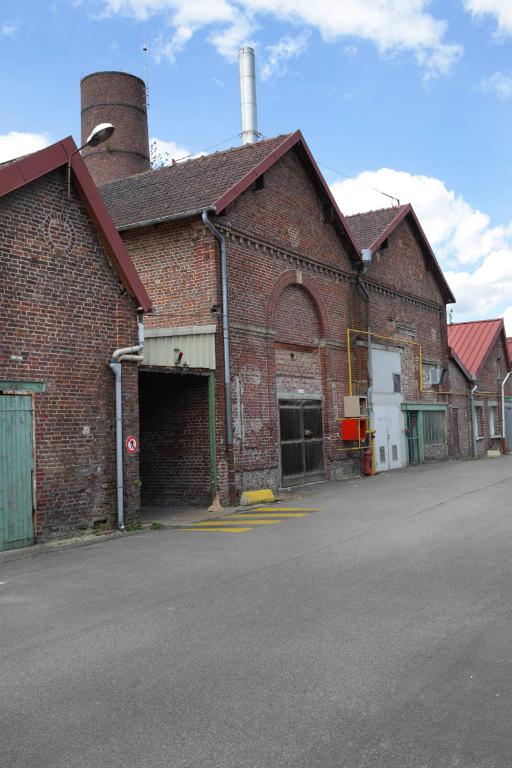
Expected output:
(175, 448)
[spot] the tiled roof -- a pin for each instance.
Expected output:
(371, 228)
(368, 226)
(473, 341)
(184, 187)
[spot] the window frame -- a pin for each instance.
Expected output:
(493, 419)
(479, 414)
(435, 434)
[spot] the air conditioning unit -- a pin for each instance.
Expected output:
(436, 374)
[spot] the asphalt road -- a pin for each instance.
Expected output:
(376, 632)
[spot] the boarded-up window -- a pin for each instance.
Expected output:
(434, 427)
(479, 419)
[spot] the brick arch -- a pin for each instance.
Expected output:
(291, 277)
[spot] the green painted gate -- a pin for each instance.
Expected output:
(16, 465)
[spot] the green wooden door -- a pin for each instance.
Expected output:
(16, 464)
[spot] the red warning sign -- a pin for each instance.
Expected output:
(132, 444)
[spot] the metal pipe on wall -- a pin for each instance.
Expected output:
(225, 338)
(128, 354)
(473, 418)
(503, 437)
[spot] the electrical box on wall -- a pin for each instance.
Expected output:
(353, 430)
(354, 406)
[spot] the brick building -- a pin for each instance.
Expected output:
(256, 277)
(479, 365)
(69, 295)
(405, 309)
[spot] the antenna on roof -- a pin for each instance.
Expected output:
(145, 53)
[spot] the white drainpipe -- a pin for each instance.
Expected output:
(503, 437)
(473, 419)
(129, 354)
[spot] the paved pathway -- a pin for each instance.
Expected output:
(374, 633)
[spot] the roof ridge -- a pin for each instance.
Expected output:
(472, 322)
(378, 210)
(188, 159)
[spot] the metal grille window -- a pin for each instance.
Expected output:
(397, 383)
(434, 427)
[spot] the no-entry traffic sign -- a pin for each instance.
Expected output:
(131, 444)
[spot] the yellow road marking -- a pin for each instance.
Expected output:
(217, 530)
(215, 523)
(287, 509)
(283, 515)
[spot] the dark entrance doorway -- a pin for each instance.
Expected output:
(412, 437)
(174, 445)
(454, 433)
(301, 441)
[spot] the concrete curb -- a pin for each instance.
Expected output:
(61, 544)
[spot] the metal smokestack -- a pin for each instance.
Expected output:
(250, 133)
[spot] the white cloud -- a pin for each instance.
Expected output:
(8, 30)
(500, 84)
(279, 54)
(475, 255)
(460, 233)
(393, 26)
(507, 316)
(164, 152)
(15, 144)
(500, 9)
(351, 51)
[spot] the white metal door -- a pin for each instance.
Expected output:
(395, 419)
(381, 438)
(388, 437)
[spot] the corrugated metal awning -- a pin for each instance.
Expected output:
(182, 347)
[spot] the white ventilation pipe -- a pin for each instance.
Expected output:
(503, 435)
(248, 105)
(130, 355)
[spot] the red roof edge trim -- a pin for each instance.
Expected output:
(45, 161)
(291, 141)
(408, 210)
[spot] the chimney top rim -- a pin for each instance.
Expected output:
(112, 72)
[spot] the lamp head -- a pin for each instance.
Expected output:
(99, 134)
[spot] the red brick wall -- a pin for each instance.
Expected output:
(401, 266)
(489, 391)
(292, 292)
(178, 263)
(64, 312)
(459, 389)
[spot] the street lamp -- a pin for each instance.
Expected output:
(98, 135)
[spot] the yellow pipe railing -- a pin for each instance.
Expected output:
(384, 338)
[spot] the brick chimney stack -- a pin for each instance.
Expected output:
(118, 98)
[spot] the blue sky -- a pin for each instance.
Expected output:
(410, 96)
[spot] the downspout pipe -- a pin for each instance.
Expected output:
(473, 418)
(128, 354)
(366, 259)
(503, 437)
(225, 339)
